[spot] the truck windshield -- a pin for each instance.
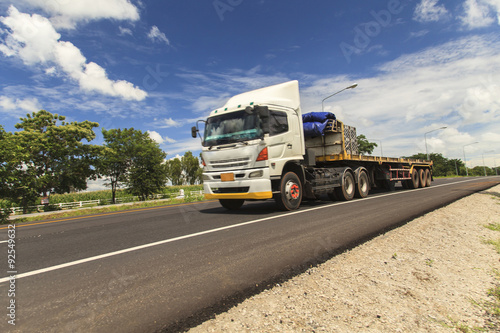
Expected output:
(232, 127)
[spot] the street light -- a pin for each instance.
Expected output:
(350, 87)
(484, 165)
(465, 161)
(381, 150)
(425, 138)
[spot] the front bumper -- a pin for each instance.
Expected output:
(242, 187)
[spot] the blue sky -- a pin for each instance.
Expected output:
(159, 66)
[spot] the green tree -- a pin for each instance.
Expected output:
(47, 155)
(442, 166)
(131, 158)
(148, 173)
(174, 171)
(365, 146)
(190, 166)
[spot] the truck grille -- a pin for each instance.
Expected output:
(230, 163)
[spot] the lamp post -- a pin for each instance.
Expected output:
(425, 138)
(381, 150)
(484, 165)
(465, 161)
(350, 87)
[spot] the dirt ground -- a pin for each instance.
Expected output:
(431, 275)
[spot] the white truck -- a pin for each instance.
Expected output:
(255, 148)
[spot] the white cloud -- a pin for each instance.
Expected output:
(157, 36)
(159, 139)
(190, 144)
(429, 11)
(418, 34)
(480, 13)
(18, 106)
(208, 103)
(66, 14)
(125, 31)
(34, 40)
(168, 122)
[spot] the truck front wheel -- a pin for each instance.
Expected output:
(231, 204)
(290, 195)
(347, 190)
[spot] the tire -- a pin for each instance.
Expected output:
(231, 204)
(422, 180)
(414, 181)
(348, 188)
(363, 185)
(428, 177)
(290, 195)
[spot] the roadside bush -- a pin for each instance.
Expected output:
(4, 215)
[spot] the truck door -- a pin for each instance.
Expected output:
(283, 142)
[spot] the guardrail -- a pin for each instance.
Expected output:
(103, 202)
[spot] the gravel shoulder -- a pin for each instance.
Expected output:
(431, 275)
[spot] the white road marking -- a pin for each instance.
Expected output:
(166, 241)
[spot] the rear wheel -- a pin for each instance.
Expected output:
(347, 190)
(422, 178)
(231, 204)
(414, 181)
(363, 185)
(428, 177)
(290, 195)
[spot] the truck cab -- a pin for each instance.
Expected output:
(249, 142)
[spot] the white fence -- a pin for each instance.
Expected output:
(101, 202)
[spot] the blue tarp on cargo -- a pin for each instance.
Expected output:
(319, 117)
(315, 122)
(314, 129)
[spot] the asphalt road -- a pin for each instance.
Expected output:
(166, 268)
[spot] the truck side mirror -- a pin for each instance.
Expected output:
(194, 131)
(263, 112)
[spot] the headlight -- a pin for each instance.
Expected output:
(206, 177)
(256, 174)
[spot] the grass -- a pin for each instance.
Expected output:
(493, 226)
(106, 209)
(491, 306)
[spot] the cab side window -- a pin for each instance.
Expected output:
(278, 122)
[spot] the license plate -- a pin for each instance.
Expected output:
(227, 177)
